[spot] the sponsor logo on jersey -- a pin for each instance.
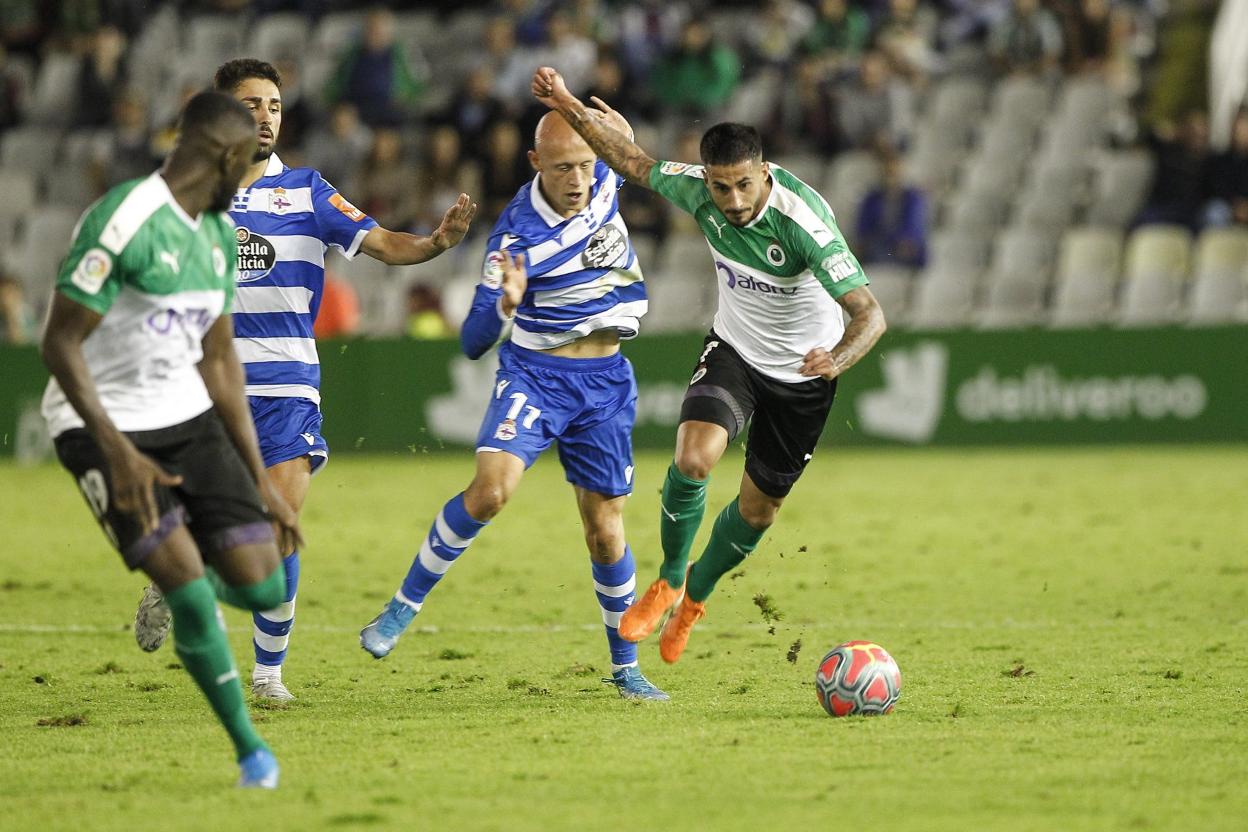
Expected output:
(506, 430)
(492, 275)
(93, 269)
(719, 226)
(350, 211)
(604, 248)
(195, 320)
(256, 255)
(508, 239)
(279, 204)
(745, 283)
(628, 474)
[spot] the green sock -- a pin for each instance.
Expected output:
(263, 595)
(684, 501)
(731, 540)
(205, 653)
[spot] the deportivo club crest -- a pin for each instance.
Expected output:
(278, 203)
(256, 255)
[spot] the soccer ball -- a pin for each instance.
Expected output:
(858, 677)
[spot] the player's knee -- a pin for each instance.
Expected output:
(485, 499)
(605, 545)
(694, 464)
(759, 514)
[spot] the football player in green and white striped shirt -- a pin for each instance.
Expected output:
(146, 403)
(772, 358)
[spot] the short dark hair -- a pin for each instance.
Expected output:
(728, 143)
(210, 108)
(232, 73)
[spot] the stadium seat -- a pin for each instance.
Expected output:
(1021, 99)
(808, 167)
(1044, 208)
(1221, 250)
(1013, 299)
(335, 32)
(1122, 182)
(999, 176)
(1159, 249)
(1082, 298)
(1023, 248)
(954, 249)
(1149, 298)
(69, 185)
(943, 299)
(933, 168)
(52, 102)
(957, 101)
(1087, 250)
(18, 187)
(216, 37)
(682, 290)
(1218, 298)
(1003, 138)
(41, 247)
(847, 180)
(975, 210)
(280, 36)
(891, 287)
(30, 149)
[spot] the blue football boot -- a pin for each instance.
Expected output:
(381, 634)
(258, 770)
(632, 685)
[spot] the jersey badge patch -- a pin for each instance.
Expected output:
(775, 254)
(492, 274)
(350, 211)
(93, 269)
(838, 266)
(279, 204)
(673, 168)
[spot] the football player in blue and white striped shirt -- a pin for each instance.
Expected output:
(561, 377)
(286, 218)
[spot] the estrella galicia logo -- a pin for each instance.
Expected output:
(256, 255)
(746, 283)
(605, 247)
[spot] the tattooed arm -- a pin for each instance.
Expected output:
(866, 325)
(599, 127)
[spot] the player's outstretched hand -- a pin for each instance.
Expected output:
(515, 281)
(285, 521)
(818, 362)
(135, 477)
(455, 223)
(549, 88)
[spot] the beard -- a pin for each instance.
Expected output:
(261, 154)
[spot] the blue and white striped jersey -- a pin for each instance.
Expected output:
(583, 272)
(285, 222)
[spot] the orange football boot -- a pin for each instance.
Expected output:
(679, 625)
(640, 619)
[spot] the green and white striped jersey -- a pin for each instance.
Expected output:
(778, 276)
(160, 279)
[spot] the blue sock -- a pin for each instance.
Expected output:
(614, 583)
(452, 532)
(272, 627)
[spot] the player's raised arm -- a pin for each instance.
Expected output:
(398, 248)
(599, 127)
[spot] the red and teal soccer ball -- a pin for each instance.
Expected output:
(858, 677)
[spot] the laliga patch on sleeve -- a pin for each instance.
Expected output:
(352, 213)
(93, 269)
(492, 275)
(673, 168)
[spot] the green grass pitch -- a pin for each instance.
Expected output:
(1071, 627)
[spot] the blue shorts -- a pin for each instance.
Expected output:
(587, 404)
(288, 428)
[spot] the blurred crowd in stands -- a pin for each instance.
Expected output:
(401, 127)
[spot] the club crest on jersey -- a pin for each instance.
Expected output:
(775, 254)
(278, 203)
(506, 430)
(605, 247)
(256, 255)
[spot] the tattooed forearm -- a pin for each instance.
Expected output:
(612, 146)
(866, 325)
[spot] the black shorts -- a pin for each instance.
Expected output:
(787, 419)
(217, 499)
